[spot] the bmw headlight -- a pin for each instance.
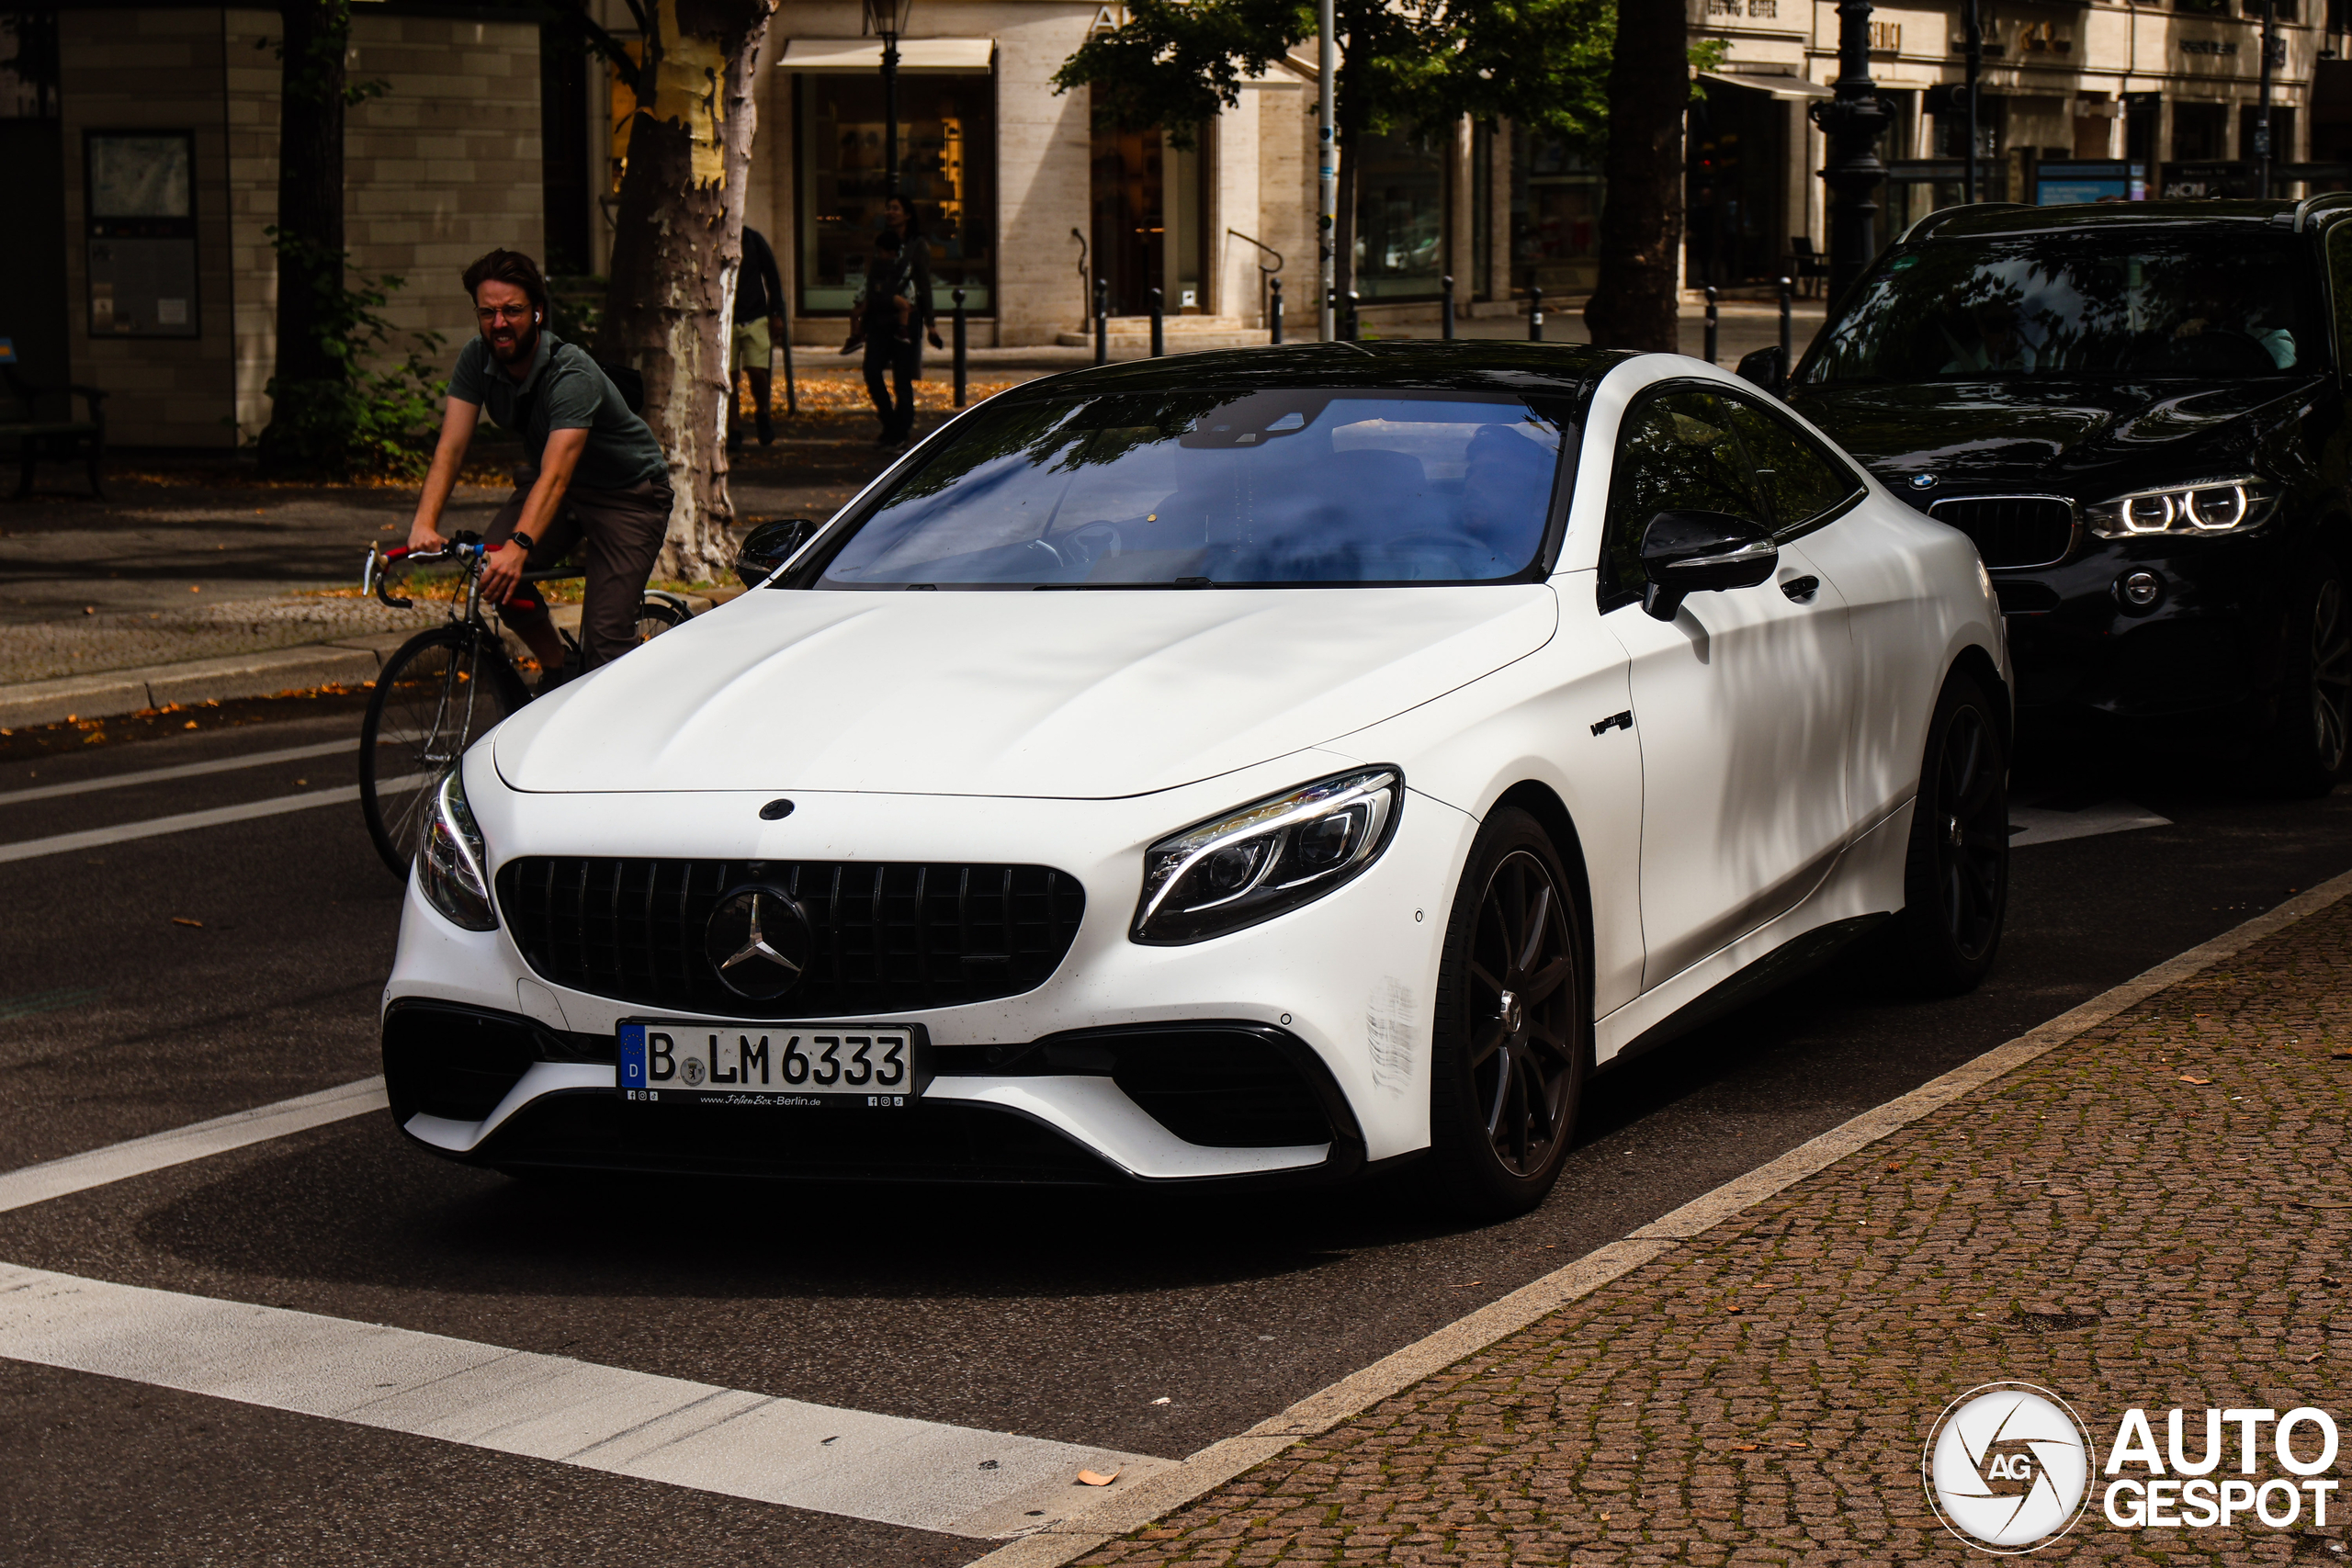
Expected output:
(1275, 854)
(2208, 506)
(450, 862)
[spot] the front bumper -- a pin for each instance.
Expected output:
(2210, 644)
(1295, 1048)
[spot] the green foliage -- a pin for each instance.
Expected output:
(576, 307)
(368, 421)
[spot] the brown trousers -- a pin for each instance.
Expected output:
(615, 534)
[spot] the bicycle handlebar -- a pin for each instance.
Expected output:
(465, 544)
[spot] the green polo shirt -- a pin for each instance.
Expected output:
(565, 391)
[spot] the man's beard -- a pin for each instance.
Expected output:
(527, 343)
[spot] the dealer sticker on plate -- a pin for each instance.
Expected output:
(873, 1065)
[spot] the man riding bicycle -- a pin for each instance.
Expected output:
(592, 476)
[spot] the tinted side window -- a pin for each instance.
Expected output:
(1799, 480)
(1675, 453)
(2339, 286)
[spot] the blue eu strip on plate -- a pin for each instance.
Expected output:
(632, 1073)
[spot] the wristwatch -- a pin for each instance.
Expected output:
(520, 538)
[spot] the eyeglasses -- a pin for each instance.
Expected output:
(503, 313)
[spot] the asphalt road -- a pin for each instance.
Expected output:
(149, 983)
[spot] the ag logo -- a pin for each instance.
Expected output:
(2008, 1468)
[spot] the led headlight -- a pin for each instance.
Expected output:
(2208, 506)
(450, 862)
(1275, 854)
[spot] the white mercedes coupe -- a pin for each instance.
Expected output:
(1262, 766)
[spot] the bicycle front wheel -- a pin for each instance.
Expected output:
(432, 697)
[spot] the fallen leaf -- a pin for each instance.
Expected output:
(189, 724)
(1796, 1445)
(1096, 1478)
(1894, 1165)
(89, 609)
(2313, 1356)
(1745, 1447)
(1735, 1309)
(1162, 1400)
(2187, 1078)
(1466, 1284)
(196, 588)
(1604, 1518)
(300, 782)
(184, 921)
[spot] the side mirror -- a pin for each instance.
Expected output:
(1767, 367)
(1696, 552)
(769, 545)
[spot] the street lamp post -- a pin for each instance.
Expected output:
(1853, 122)
(2262, 152)
(1974, 25)
(886, 19)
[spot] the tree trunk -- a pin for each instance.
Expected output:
(677, 249)
(1633, 301)
(310, 193)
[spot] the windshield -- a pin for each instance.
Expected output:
(2079, 304)
(1193, 489)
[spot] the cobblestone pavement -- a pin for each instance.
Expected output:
(2155, 1215)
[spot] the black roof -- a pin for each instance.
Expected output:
(1422, 364)
(2002, 218)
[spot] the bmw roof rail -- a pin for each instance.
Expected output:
(2310, 204)
(1919, 230)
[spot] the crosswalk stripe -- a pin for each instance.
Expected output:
(154, 826)
(137, 1156)
(888, 1468)
(179, 770)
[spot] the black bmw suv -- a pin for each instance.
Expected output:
(2140, 415)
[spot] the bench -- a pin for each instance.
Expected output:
(58, 440)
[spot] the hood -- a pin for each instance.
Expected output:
(1080, 695)
(2049, 432)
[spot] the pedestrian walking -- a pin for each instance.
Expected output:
(893, 317)
(759, 323)
(592, 476)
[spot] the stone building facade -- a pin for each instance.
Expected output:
(492, 131)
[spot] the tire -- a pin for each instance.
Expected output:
(1513, 1040)
(2304, 753)
(658, 614)
(443, 689)
(1956, 873)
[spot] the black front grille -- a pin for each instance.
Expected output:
(2012, 530)
(888, 938)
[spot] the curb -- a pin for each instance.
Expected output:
(117, 691)
(1063, 1541)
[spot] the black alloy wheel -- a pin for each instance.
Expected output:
(1514, 1022)
(1956, 876)
(2305, 752)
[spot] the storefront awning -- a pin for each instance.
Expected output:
(1779, 86)
(935, 55)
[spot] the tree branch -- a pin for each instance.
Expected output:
(603, 44)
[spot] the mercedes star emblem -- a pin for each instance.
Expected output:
(758, 941)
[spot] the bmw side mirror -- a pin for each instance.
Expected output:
(1698, 552)
(1767, 367)
(769, 545)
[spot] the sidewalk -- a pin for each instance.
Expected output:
(2154, 1213)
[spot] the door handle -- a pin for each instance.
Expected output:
(1614, 721)
(1801, 590)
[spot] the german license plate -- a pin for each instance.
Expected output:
(873, 1065)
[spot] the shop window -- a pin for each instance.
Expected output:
(1146, 200)
(1400, 214)
(1733, 193)
(2199, 132)
(947, 170)
(28, 65)
(1555, 216)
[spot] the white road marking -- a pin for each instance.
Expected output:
(920, 1474)
(119, 1162)
(2042, 826)
(183, 771)
(65, 843)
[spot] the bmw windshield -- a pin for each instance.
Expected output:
(2095, 301)
(1271, 488)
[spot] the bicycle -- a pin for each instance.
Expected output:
(443, 687)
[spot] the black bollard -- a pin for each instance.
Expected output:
(1354, 330)
(1788, 293)
(962, 363)
(1714, 323)
(1101, 321)
(1159, 331)
(1445, 319)
(1534, 315)
(1275, 310)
